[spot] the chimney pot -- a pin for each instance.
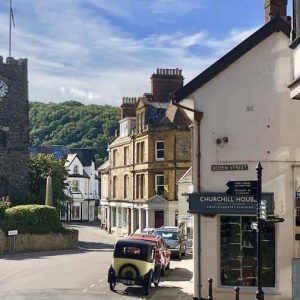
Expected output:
(275, 8)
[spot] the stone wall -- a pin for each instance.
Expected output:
(3, 242)
(39, 242)
(14, 126)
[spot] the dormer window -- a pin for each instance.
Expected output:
(75, 170)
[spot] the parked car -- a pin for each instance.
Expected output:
(134, 263)
(148, 230)
(174, 238)
(163, 253)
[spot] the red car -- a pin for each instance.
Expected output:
(163, 254)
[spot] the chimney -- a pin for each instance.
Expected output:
(275, 8)
(128, 107)
(164, 82)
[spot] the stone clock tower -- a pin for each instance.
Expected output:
(14, 124)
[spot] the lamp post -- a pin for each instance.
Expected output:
(259, 292)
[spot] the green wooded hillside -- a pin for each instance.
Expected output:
(73, 124)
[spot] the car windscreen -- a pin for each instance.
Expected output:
(167, 235)
(131, 252)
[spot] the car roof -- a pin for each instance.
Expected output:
(167, 228)
(145, 237)
(133, 243)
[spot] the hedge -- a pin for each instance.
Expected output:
(35, 219)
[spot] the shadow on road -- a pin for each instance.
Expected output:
(45, 254)
(95, 246)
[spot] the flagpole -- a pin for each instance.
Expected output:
(10, 16)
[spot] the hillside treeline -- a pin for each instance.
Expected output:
(73, 124)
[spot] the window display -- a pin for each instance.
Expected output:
(238, 252)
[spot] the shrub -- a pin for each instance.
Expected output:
(34, 218)
(4, 204)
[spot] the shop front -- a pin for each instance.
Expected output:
(229, 243)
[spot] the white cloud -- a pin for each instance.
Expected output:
(75, 54)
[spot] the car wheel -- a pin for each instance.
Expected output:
(147, 283)
(179, 255)
(129, 271)
(156, 276)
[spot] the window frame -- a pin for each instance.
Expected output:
(159, 150)
(126, 186)
(156, 185)
(114, 157)
(114, 187)
(126, 155)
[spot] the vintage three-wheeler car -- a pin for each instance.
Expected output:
(134, 264)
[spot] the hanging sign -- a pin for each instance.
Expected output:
(221, 203)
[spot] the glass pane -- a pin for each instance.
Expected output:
(160, 146)
(238, 252)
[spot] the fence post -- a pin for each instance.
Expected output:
(237, 293)
(210, 294)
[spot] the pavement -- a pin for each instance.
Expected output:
(177, 284)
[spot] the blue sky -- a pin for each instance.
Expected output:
(97, 51)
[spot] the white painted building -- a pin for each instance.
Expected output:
(243, 115)
(83, 186)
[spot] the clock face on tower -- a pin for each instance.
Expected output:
(3, 89)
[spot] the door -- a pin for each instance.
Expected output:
(159, 218)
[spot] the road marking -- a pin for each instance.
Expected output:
(100, 280)
(93, 285)
(84, 290)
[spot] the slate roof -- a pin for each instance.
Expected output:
(276, 25)
(86, 156)
(58, 151)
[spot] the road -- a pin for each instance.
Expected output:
(73, 274)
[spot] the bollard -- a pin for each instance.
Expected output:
(237, 293)
(210, 294)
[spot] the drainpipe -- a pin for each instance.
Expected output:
(197, 188)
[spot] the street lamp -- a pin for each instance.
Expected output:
(261, 216)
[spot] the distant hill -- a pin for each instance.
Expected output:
(73, 124)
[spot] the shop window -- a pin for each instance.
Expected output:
(75, 212)
(114, 216)
(159, 184)
(238, 252)
(160, 150)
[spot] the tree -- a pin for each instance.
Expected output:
(40, 167)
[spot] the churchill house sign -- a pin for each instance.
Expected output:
(222, 203)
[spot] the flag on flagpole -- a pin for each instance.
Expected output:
(12, 16)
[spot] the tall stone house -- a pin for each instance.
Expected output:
(243, 115)
(14, 124)
(146, 159)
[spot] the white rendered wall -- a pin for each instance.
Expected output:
(250, 104)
